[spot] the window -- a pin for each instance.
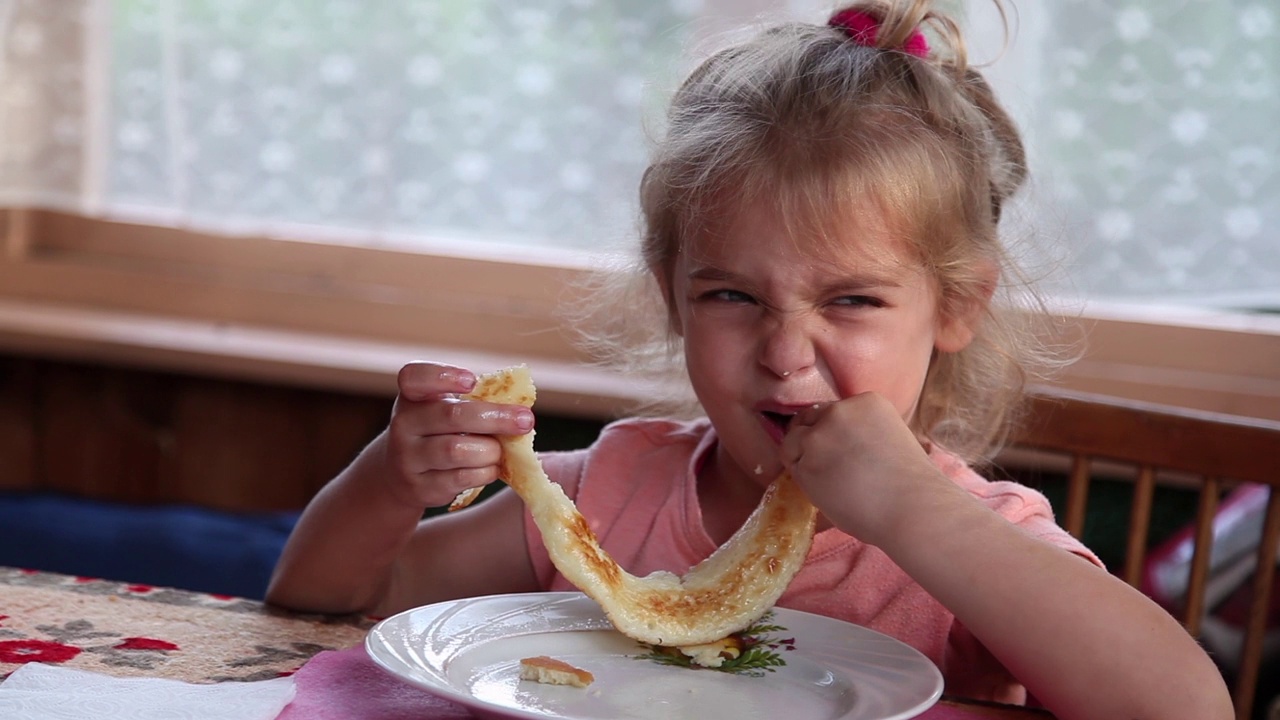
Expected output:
(1148, 123)
(359, 183)
(457, 121)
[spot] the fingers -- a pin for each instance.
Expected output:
(832, 435)
(808, 417)
(423, 380)
(428, 404)
(440, 443)
(798, 433)
(467, 457)
(453, 416)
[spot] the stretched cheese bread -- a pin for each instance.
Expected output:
(724, 593)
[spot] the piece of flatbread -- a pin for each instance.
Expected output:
(724, 593)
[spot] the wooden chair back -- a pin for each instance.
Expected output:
(1216, 451)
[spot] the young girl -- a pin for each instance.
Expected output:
(821, 223)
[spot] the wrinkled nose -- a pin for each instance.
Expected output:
(787, 346)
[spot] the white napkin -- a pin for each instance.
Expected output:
(45, 692)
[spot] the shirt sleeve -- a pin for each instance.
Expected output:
(1017, 503)
(1030, 510)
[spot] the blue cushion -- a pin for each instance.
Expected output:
(177, 546)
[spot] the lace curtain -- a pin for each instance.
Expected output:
(450, 123)
(1152, 130)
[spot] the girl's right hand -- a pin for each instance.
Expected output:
(438, 443)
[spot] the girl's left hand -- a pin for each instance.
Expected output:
(860, 464)
(866, 471)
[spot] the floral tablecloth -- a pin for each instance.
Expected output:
(127, 630)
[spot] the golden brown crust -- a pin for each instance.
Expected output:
(724, 593)
(465, 498)
(505, 387)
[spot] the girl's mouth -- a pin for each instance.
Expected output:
(776, 423)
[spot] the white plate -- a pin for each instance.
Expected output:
(469, 651)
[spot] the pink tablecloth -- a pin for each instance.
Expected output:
(347, 685)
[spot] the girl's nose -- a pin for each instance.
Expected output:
(787, 346)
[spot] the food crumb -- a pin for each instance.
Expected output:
(552, 671)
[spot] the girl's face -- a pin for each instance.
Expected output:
(770, 328)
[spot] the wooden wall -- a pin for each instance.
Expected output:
(138, 436)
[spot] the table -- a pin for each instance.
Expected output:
(131, 630)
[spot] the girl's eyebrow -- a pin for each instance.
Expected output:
(707, 272)
(862, 284)
(850, 282)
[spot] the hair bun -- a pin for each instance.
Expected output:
(864, 29)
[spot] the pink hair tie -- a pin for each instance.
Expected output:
(863, 29)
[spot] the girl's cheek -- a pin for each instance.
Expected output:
(707, 326)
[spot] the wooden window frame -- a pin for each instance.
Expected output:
(320, 314)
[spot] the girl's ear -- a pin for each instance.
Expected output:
(960, 317)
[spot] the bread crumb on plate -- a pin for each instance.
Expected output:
(551, 671)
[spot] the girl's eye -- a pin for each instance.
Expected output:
(858, 301)
(725, 295)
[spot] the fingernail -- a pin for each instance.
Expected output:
(467, 381)
(524, 420)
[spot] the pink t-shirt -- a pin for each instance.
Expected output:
(636, 486)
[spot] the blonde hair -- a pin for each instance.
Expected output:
(816, 121)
